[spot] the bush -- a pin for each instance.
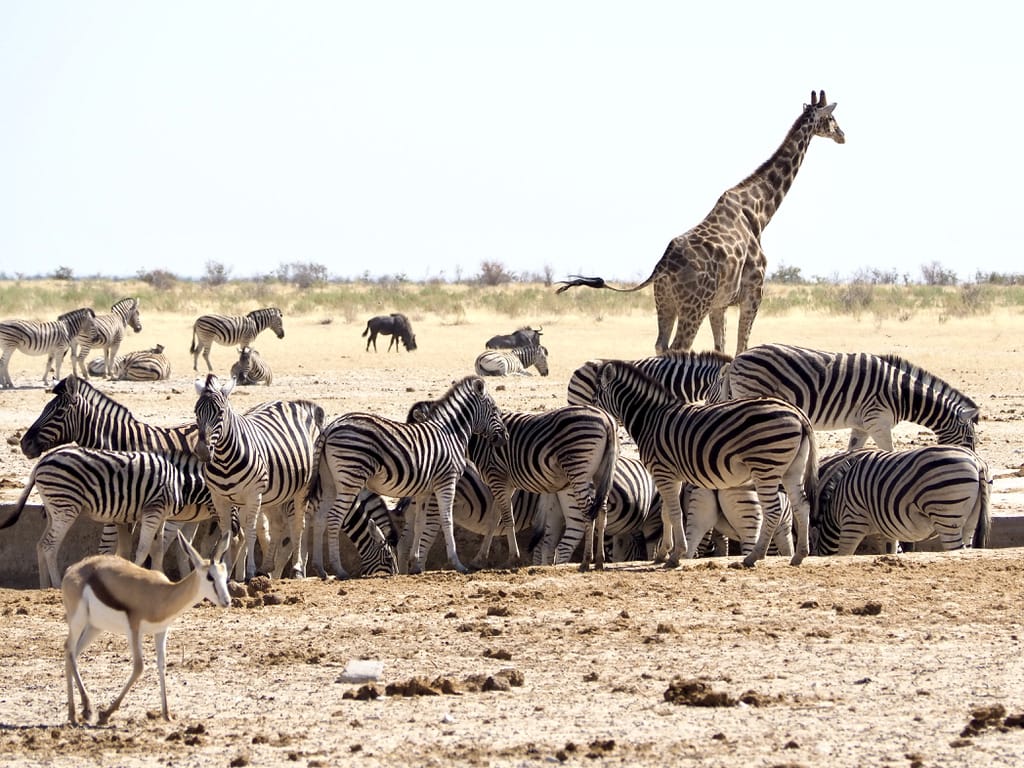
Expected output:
(216, 273)
(494, 273)
(160, 279)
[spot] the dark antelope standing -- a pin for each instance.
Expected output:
(719, 263)
(52, 339)
(395, 325)
(767, 442)
(230, 330)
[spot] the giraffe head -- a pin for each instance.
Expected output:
(819, 112)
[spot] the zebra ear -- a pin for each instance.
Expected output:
(200, 386)
(228, 388)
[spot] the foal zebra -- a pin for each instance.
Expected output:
(903, 496)
(867, 393)
(509, 362)
(765, 441)
(251, 368)
(121, 488)
(262, 459)
(391, 458)
(52, 339)
(690, 376)
(108, 332)
(230, 330)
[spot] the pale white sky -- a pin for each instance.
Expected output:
(423, 138)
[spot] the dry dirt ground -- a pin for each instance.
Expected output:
(913, 660)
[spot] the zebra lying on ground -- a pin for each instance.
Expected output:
(425, 458)
(230, 330)
(52, 339)
(258, 460)
(866, 393)
(107, 332)
(142, 365)
(508, 362)
(522, 337)
(910, 495)
(251, 368)
(766, 441)
(396, 325)
(117, 487)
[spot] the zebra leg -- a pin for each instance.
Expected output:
(673, 537)
(58, 522)
(701, 515)
(5, 376)
(550, 509)
(771, 512)
(375, 555)
(425, 538)
(502, 516)
(445, 494)
(151, 526)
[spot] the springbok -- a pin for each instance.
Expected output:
(106, 592)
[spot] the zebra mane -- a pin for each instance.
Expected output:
(638, 374)
(704, 357)
(928, 379)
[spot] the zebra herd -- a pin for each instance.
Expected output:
(723, 444)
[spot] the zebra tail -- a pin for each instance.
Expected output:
(12, 518)
(984, 526)
(811, 468)
(315, 488)
(606, 471)
(192, 349)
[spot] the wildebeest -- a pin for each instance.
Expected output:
(395, 325)
(523, 337)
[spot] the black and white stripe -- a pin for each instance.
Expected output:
(251, 368)
(52, 339)
(108, 332)
(866, 393)
(232, 330)
(259, 460)
(937, 490)
(570, 451)
(735, 513)
(391, 458)
(140, 365)
(512, 362)
(765, 441)
(114, 487)
(690, 376)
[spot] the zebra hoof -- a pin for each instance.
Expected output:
(797, 559)
(672, 562)
(584, 567)
(749, 561)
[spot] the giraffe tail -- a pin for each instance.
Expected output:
(598, 282)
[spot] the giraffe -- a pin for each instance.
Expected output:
(719, 263)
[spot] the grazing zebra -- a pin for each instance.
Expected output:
(108, 332)
(630, 501)
(395, 325)
(251, 368)
(515, 361)
(52, 339)
(421, 459)
(766, 441)
(736, 514)
(866, 393)
(910, 495)
(690, 376)
(259, 460)
(570, 451)
(115, 487)
(141, 365)
(232, 329)
(522, 337)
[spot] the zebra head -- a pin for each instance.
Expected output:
(959, 428)
(128, 310)
(211, 408)
(274, 320)
(59, 423)
(541, 360)
(487, 420)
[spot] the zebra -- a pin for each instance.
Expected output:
(515, 361)
(108, 332)
(52, 339)
(630, 501)
(392, 458)
(941, 490)
(690, 376)
(141, 365)
(570, 451)
(232, 329)
(251, 368)
(258, 460)
(116, 487)
(395, 325)
(765, 441)
(867, 393)
(735, 513)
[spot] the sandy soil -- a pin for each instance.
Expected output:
(848, 661)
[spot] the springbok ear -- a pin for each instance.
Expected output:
(194, 557)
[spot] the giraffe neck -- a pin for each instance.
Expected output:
(763, 190)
